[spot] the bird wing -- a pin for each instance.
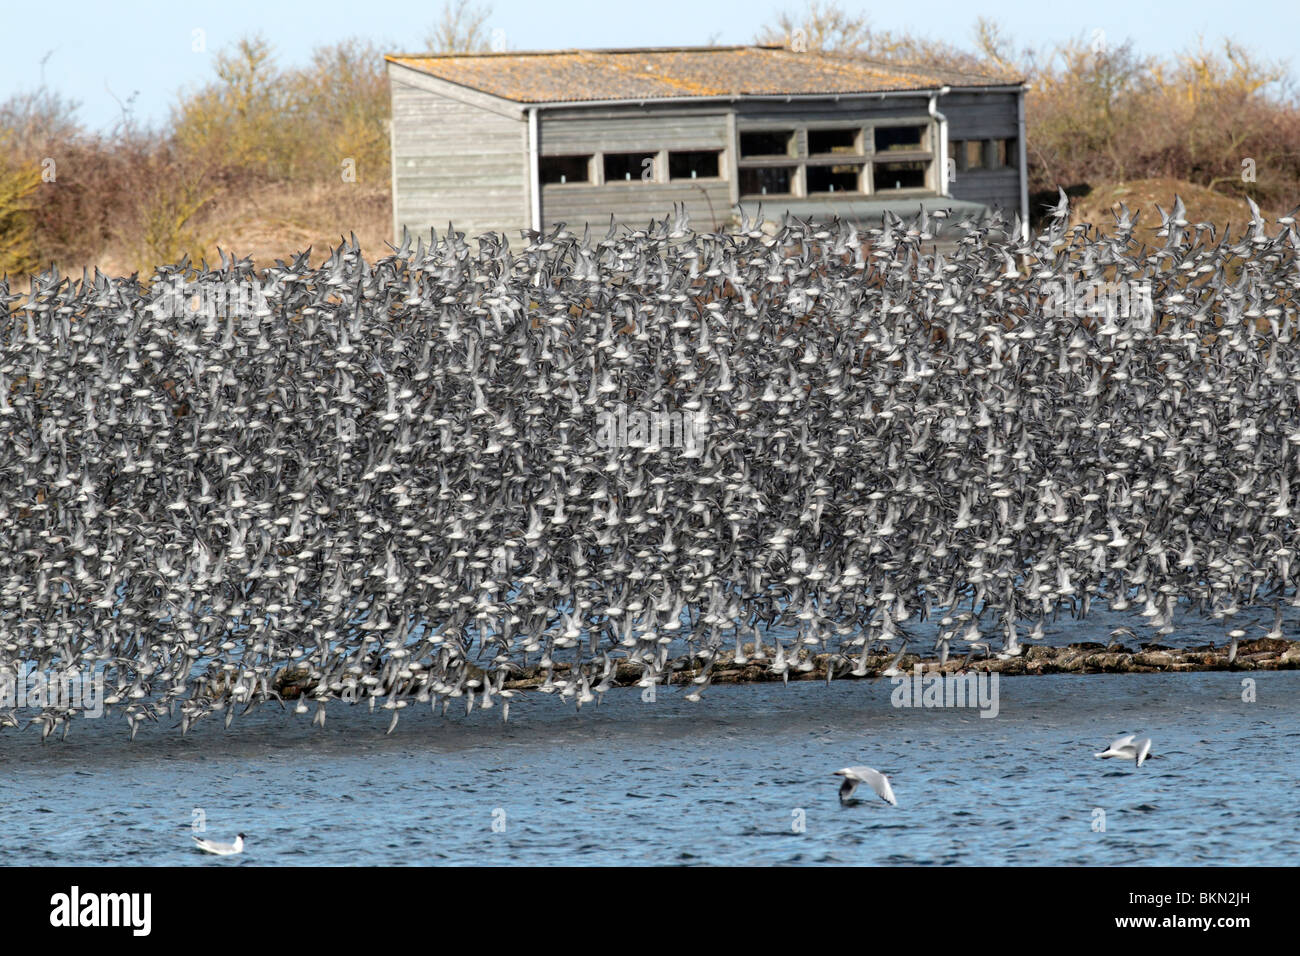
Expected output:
(1062, 208)
(874, 779)
(1122, 742)
(880, 783)
(1143, 749)
(847, 787)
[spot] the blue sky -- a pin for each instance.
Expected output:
(99, 51)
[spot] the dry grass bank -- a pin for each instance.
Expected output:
(1143, 196)
(276, 221)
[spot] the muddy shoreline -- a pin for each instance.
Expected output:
(1080, 658)
(1265, 654)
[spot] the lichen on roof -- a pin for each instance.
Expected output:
(668, 73)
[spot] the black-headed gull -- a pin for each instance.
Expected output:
(876, 780)
(1131, 747)
(221, 849)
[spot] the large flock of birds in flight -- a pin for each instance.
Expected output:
(388, 475)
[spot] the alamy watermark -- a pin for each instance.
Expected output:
(971, 689)
(1095, 297)
(65, 690)
(76, 909)
(206, 299)
(653, 430)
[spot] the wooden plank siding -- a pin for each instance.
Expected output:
(997, 188)
(632, 131)
(708, 202)
(769, 114)
(454, 161)
(984, 116)
(980, 115)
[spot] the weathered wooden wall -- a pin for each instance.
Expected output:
(461, 160)
(984, 116)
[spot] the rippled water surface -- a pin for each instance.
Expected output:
(672, 782)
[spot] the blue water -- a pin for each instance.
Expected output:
(672, 782)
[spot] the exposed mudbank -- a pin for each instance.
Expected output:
(1085, 657)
